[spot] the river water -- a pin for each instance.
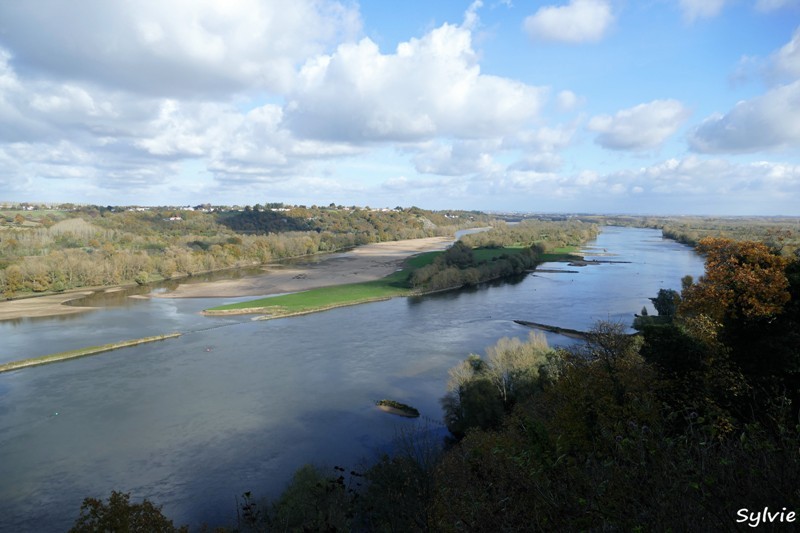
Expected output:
(237, 405)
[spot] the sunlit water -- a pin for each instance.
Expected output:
(236, 405)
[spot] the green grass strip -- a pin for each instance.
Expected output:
(81, 352)
(393, 285)
(323, 298)
(320, 298)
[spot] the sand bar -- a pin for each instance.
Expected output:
(365, 263)
(50, 305)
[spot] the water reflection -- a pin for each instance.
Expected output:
(191, 427)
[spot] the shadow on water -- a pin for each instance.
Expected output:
(455, 294)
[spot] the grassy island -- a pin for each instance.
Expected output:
(423, 273)
(456, 267)
(324, 298)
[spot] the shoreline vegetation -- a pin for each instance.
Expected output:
(503, 251)
(370, 261)
(74, 247)
(81, 352)
(399, 284)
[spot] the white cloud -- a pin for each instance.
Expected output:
(578, 22)
(457, 159)
(429, 87)
(716, 185)
(179, 47)
(772, 5)
(539, 148)
(696, 9)
(540, 163)
(687, 185)
(544, 139)
(766, 122)
(786, 61)
(568, 100)
(641, 127)
(402, 183)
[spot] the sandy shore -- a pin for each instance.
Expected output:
(365, 263)
(51, 305)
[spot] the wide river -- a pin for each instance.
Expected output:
(237, 405)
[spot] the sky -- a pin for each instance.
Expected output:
(662, 107)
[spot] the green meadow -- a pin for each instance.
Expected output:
(396, 284)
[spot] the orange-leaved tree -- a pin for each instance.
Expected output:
(744, 281)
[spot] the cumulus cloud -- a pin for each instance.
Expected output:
(578, 22)
(696, 9)
(716, 185)
(786, 61)
(346, 103)
(685, 185)
(457, 159)
(180, 47)
(766, 122)
(772, 5)
(641, 127)
(568, 100)
(539, 163)
(430, 86)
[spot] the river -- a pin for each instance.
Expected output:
(237, 405)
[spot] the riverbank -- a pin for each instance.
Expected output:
(41, 306)
(394, 285)
(369, 262)
(365, 263)
(81, 352)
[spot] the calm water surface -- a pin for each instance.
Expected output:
(236, 405)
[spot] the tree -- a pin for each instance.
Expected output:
(119, 515)
(666, 302)
(743, 280)
(480, 391)
(14, 280)
(459, 255)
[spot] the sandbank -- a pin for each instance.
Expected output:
(50, 305)
(364, 263)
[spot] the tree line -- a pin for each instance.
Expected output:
(548, 235)
(459, 267)
(513, 250)
(96, 247)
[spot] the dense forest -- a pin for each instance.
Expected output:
(690, 424)
(54, 250)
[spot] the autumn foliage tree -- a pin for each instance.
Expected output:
(120, 515)
(744, 280)
(743, 305)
